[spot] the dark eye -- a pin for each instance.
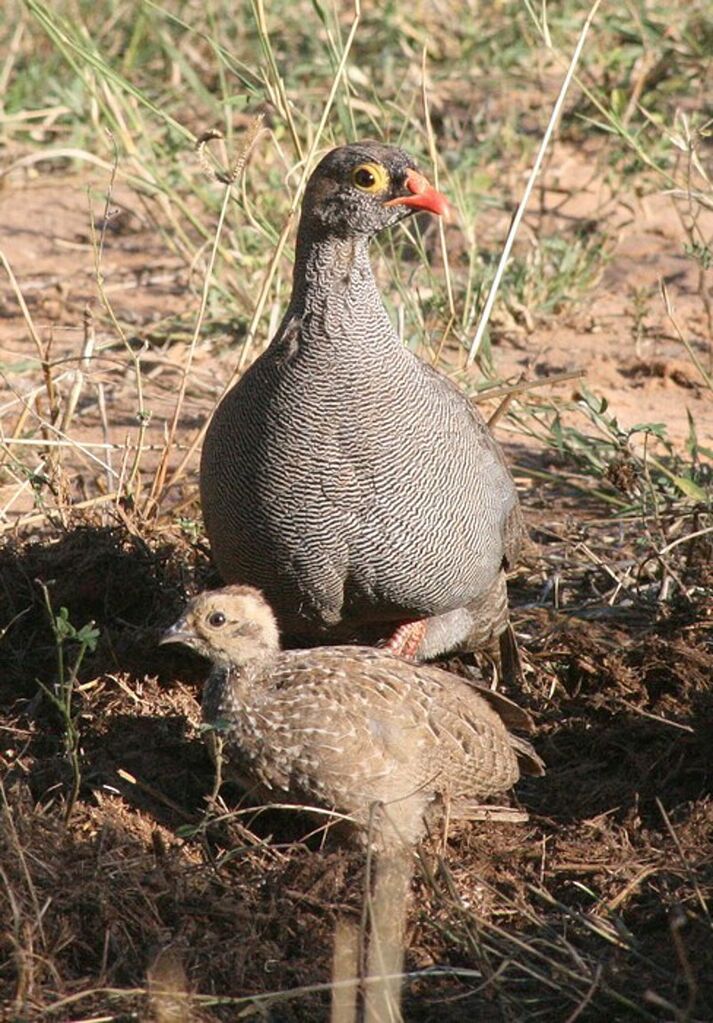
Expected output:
(370, 177)
(364, 178)
(216, 619)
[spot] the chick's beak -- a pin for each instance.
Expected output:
(423, 196)
(179, 632)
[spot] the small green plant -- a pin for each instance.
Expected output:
(555, 271)
(703, 254)
(191, 528)
(61, 692)
(635, 480)
(668, 478)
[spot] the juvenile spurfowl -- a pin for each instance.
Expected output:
(347, 727)
(356, 486)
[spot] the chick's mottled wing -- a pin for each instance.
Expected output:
(350, 741)
(483, 719)
(368, 726)
(473, 750)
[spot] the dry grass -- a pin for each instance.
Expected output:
(127, 889)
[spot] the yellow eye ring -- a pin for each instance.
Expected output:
(370, 177)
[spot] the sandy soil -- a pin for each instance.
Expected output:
(619, 333)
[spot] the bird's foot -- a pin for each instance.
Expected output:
(407, 639)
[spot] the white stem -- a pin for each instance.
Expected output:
(520, 212)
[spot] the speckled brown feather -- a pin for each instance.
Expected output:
(347, 727)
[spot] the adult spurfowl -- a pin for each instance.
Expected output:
(346, 728)
(356, 486)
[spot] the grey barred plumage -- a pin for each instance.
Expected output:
(347, 727)
(343, 476)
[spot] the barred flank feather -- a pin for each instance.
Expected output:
(346, 478)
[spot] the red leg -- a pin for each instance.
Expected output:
(407, 638)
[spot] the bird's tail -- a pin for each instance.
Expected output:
(510, 663)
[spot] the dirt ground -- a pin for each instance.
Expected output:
(597, 908)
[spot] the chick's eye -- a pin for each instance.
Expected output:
(370, 177)
(216, 619)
